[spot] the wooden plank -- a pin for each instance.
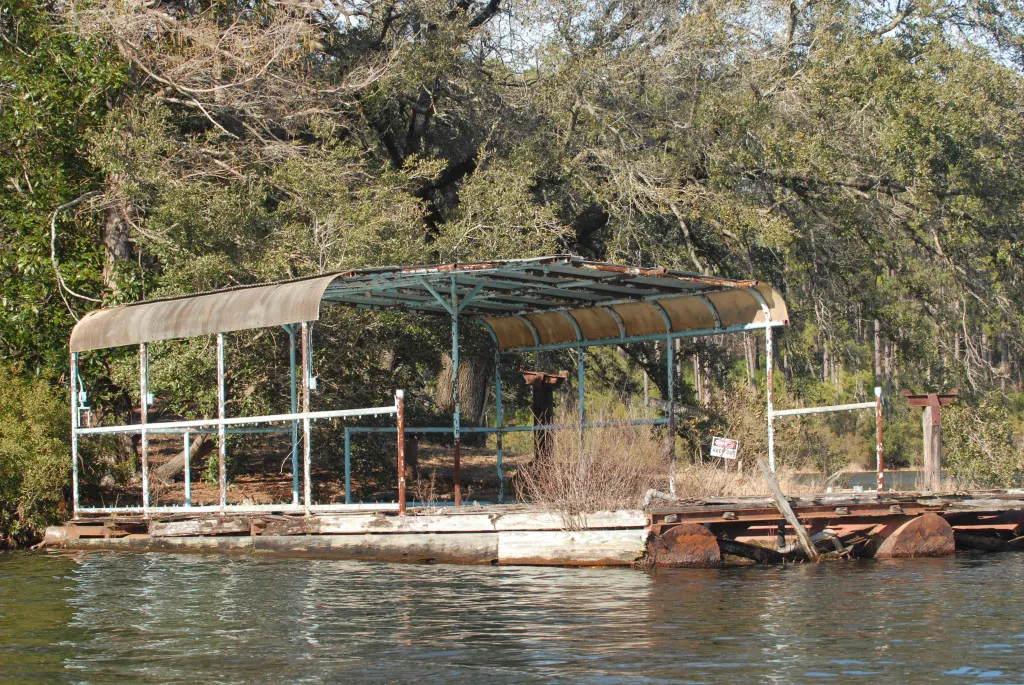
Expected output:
(465, 548)
(571, 548)
(541, 520)
(442, 523)
(787, 512)
(211, 525)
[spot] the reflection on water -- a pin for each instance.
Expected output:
(162, 618)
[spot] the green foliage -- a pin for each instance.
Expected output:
(867, 164)
(982, 444)
(34, 456)
(54, 89)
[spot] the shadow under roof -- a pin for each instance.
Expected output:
(557, 300)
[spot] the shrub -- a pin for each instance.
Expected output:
(34, 456)
(613, 470)
(981, 445)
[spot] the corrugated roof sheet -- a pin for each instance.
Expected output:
(550, 295)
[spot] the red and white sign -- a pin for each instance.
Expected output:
(726, 448)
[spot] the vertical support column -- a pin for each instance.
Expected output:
(456, 419)
(295, 409)
(932, 433)
(348, 466)
(879, 451)
(187, 440)
(581, 393)
(306, 451)
(222, 441)
(400, 407)
(74, 434)
(769, 385)
(143, 418)
(499, 420)
(670, 382)
(580, 389)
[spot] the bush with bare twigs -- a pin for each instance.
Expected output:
(611, 468)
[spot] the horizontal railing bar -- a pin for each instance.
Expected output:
(264, 508)
(821, 410)
(236, 421)
(244, 508)
(573, 344)
(213, 431)
(505, 429)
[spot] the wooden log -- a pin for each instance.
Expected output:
(787, 512)
(346, 524)
(761, 555)
(145, 543)
(421, 548)
(985, 543)
(212, 526)
(175, 466)
(572, 548)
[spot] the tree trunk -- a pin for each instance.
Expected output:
(750, 351)
(117, 244)
(474, 384)
(170, 470)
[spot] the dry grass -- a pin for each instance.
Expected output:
(612, 469)
(702, 481)
(616, 466)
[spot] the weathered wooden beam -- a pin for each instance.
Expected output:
(787, 512)
(572, 548)
(761, 555)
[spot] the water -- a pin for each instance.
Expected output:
(164, 618)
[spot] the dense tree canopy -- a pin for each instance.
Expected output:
(865, 157)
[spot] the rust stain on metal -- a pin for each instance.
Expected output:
(687, 545)
(928, 535)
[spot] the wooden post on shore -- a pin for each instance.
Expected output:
(931, 430)
(931, 425)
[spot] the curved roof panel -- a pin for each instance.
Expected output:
(548, 300)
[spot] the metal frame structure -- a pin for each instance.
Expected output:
(876, 405)
(531, 305)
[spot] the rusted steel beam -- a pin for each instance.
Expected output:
(767, 514)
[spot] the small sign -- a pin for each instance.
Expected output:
(726, 448)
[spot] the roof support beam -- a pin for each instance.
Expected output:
(624, 340)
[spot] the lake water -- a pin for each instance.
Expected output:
(164, 618)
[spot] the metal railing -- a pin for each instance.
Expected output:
(500, 431)
(186, 428)
(876, 405)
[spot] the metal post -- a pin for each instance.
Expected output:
(456, 421)
(304, 342)
(295, 408)
(222, 442)
(670, 383)
(400, 408)
(143, 417)
(580, 391)
(74, 434)
(499, 420)
(188, 468)
(348, 466)
(878, 438)
(769, 385)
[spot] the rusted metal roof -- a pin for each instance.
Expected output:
(525, 302)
